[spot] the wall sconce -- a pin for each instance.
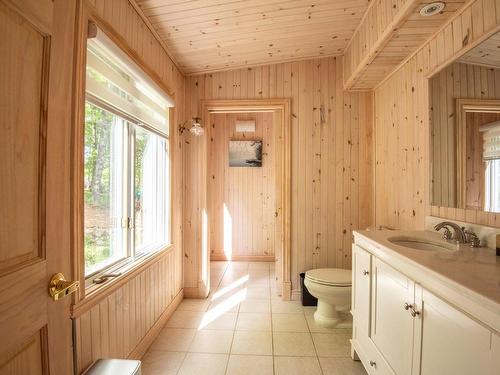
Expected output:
(196, 129)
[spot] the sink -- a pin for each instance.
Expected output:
(416, 243)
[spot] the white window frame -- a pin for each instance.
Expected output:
(131, 253)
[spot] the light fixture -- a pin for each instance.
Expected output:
(432, 9)
(196, 129)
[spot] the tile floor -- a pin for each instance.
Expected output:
(245, 328)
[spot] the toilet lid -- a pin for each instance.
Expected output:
(330, 276)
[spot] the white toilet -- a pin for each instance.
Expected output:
(332, 288)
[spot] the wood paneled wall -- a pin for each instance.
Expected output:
(455, 81)
(117, 324)
(331, 187)
(402, 125)
(241, 200)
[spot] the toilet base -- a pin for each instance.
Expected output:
(327, 316)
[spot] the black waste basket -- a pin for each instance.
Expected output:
(307, 298)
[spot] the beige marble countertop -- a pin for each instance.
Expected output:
(475, 270)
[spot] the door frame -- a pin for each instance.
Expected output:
(464, 106)
(283, 177)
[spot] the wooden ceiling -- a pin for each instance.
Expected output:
(486, 54)
(211, 35)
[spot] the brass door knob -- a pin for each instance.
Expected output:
(59, 287)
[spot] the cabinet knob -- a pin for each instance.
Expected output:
(365, 272)
(414, 312)
(407, 306)
(373, 363)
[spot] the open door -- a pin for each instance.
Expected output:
(36, 69)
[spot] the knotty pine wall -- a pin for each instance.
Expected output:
(402, 124)
(241, 200)
(116, 325)
(457, 80)
(331, 161)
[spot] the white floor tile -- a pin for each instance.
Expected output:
(250, 364)
(211, 342)
(341, 366)
(203, 363)
(254, 322)
(286, 307)
(255, 306)
(161, 363)
(250, 342)
(293, 344)
(296, 366)
(174, 339)
(289, 323)
(332, 344)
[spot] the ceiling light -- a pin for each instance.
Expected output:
(432, 9)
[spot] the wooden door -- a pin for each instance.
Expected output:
(35, 123)
(392, 322)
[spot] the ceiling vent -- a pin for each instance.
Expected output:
(432, 9)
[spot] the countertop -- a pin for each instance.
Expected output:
(473, 271)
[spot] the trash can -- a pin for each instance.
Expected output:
(307, 298)
(115, 367)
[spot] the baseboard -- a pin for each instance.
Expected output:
(287, 291)
(243, 258)
(153, 333)
(191, 292)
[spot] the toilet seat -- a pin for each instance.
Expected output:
(330, 276)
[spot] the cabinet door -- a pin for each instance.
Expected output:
(392, 324)
(361, 293)
(452, 342)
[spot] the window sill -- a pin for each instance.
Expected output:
(96, 293)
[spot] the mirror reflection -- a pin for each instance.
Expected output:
(465, 130)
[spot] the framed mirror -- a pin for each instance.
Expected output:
(464, 101)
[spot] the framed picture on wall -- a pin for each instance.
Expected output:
(245, 153)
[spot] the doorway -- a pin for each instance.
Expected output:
(248, 207)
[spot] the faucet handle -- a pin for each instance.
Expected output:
(472, 238)
(447, 235)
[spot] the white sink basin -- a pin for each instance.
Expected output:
(416, 243)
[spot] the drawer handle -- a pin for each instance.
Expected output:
(365, 272)
(414, 312)
(373, 363)
(407, 306)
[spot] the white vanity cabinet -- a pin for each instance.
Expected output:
(402, 328)
(452, 342)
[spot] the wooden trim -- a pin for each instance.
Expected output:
(153, 333)
(243, 258)
(463, 106)
(283, 156)
(104, 290)
(390, 30)
(191, 292)
(85, 14)
(449, 60)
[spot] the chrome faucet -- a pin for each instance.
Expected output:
(459, 232)
(461, 235)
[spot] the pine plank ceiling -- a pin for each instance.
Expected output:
(485, 54)
(211, 35)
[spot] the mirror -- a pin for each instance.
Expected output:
(464, 100)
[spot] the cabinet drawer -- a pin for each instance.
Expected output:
(373, 361)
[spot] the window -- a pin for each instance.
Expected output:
(492, 186)
(126, 161)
